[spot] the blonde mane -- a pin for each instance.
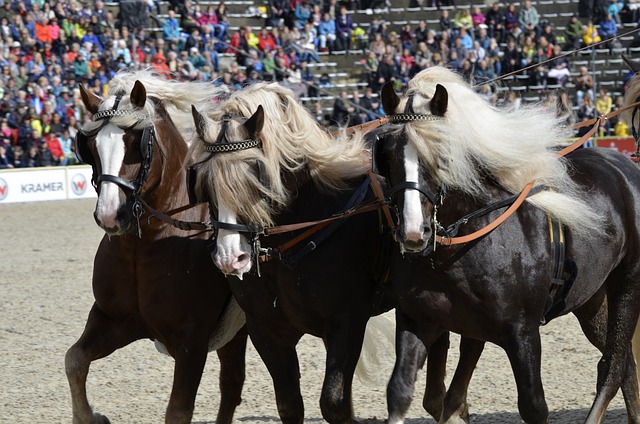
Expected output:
(513, 146)
(292, 143)
(630, 97)
(176, 96)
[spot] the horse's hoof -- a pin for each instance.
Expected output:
(100, 419)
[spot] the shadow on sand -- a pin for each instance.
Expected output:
(571, 416)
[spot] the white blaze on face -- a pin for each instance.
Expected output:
(412, 211)
(233, 252)
(110, 146)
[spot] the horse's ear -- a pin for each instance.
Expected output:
(138, 94)
(632, 64)
(90, 100)
(199, 121)
(256, 122)
(440, 101)
(389, 98)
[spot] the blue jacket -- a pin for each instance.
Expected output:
(608, 28)
(327, 27)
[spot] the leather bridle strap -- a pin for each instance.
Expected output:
(363, 128)
(493, 225)
(596, 122)
(379, 193)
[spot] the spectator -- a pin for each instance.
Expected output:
(590, 34)
(463, 20)
(573, 33)
(547, 33)
(608, 27)
(66, 141)
(407, 37)
(495, 21)
(307, 45)
(584, 85)
(511, 17)
(444, 22)
(31, 157)
(187, 17)
(614, 9)
(301, 14)
(478, 19)
(223, 20)
(6, 156)
(196, 59)
(53, 145)
(512, 58)
(344, 27)
(342, 109)
(586, 109)
(386, 70)
(559, 67)
(604, 105)
(529, 19)
(326, 33)
(171, 27)
(279, 13)
(421, 33)
(266, 41)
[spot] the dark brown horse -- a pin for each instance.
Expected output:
(151, 280)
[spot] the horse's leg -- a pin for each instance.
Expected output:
(232, 374)
(190, 357)
(593, 321)
(435, 388)
(101, 337)
(344, 344)
(524, 351)
(456, 409)
(410, 356)
(613, 368)
(281, 359)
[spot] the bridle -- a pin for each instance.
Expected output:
(222, 144)
(436, 199)
(132, 189)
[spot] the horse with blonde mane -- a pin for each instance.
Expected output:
(151, 280)
(571, 243)
(262, 161)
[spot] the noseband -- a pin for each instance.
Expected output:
(131, 188)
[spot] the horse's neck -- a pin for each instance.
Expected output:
(169, 193)
(309, 202)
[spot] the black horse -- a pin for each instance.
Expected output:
(264, 162)
(571, 243)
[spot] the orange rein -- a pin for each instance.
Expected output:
(596, 122)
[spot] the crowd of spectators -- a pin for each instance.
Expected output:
(48, 47)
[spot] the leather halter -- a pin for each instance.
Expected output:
(222, 144)
(131, 188)
(410, 116)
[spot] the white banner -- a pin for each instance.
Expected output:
(38, 184)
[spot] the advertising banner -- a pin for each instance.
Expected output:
(40, 184)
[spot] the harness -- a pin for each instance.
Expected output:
(131, 188)
(563, 270)
(316, 231)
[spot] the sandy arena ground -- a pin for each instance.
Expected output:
(46, 255)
